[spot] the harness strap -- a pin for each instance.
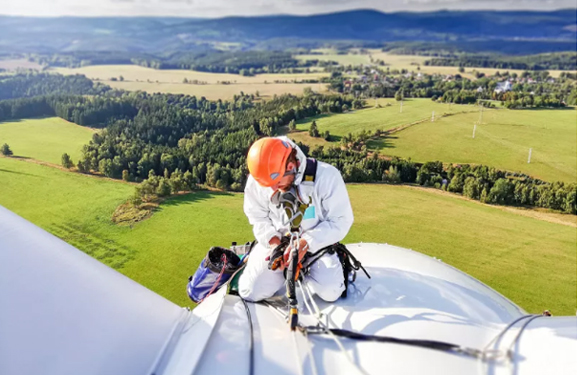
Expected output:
(429, 344)
(347, 259)
(310, 174)
(355, 264)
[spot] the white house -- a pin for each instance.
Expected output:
(503, 87)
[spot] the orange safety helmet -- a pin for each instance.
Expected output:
(267, 159)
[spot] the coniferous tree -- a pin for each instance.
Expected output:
(313, 130)
(5, 150)
(66, 161)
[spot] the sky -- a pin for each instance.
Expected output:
(222, 8)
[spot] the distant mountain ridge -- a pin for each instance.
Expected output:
(147, 34)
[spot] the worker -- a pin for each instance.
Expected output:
(278, 166)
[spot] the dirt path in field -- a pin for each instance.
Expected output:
(535, 213)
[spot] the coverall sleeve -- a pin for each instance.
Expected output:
(257, 211)
(335, 203)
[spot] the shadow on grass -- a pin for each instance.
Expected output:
(381, 143)
(546, 109)
(334, 138)
(315, 118)
(16, 172)
(191, 198)
(24, 119)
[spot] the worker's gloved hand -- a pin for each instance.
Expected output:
(303, 248)
(276, 257)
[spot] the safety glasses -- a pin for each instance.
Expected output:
(290, 173)
(275, 175)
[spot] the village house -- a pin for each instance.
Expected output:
(503, 87)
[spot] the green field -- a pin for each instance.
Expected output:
(502, 140)
(45, 139)
(171, 81)
(529, 260)
(15, 64)
(384, 118)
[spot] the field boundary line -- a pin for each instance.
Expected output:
(406, 126)
(56, 166)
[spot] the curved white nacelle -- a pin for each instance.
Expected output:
(64, 312)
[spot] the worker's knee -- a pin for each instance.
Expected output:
(251, 292)
(257, 284)
(330, 293)
(327, 279)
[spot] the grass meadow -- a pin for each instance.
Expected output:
(45, 139)
(502, 140)
(171, 81)
(14, 64)
(530, 261)
(388, 116)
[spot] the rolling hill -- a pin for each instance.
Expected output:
(162, 34)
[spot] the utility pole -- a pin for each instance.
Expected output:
(529, 159)
(481, 116)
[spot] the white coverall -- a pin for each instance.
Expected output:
(326, 221)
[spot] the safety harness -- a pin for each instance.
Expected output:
(348, 261)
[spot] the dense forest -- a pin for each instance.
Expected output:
(35, 84)
(552, 61)
(179, 142)
(454, 48)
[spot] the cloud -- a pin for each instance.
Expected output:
(220, 8)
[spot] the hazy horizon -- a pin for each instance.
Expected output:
(223, 8)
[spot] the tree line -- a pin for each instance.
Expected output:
(479, 182)
(233, 62)
(554, 61)
(34, 84)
